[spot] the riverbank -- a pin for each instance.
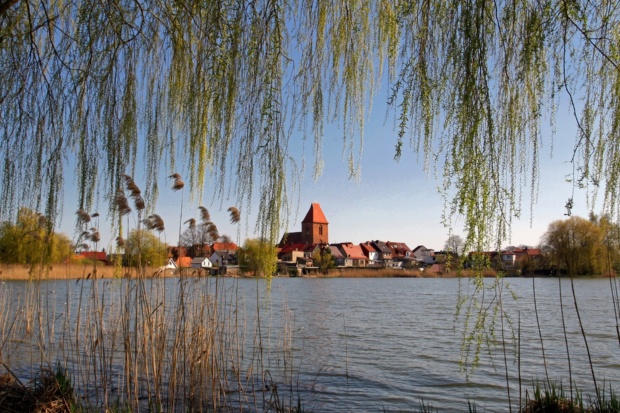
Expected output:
(73, 272)
(81, 271)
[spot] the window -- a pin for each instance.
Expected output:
(320, 229)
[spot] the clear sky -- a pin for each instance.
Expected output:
(392, 201)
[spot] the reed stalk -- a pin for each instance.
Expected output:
(570, 370)
(613, 285)
(585, 340)
(542, 344)
(113, 364)
(148, 344)
(500, 303)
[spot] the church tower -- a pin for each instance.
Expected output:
(314, 226)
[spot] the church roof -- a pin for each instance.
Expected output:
(315, 215)
(291, 238)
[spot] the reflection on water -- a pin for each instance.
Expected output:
(339, 344)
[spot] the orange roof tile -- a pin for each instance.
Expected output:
(224, 246)
(94, 255)
(315, 215)
(528, 251)
(352, 251)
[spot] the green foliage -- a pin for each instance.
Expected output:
(551, 398)
(63, 381)
(324, 259)
(258, 257)
(578, 246)
(228, 85)
(29, 241)
(145, 248)
(609, 401)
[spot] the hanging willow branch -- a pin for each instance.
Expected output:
(228, 85)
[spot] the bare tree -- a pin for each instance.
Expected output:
(455, 244)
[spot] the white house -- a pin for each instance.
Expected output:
(423, 254)
(169, 265)
(508, 258)
(219, 258)
(371, 252)
(201, 262)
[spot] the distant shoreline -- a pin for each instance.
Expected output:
(81, 271)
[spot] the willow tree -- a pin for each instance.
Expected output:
(576, 246)
(29, 241)
(87, 87)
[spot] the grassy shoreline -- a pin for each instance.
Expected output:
(74, 271)
(13, 272)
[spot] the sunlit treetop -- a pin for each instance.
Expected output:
(88, 86)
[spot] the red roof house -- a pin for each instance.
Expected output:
(94, 256)
(354, 253)
(229, 247)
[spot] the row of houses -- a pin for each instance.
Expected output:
(301, 248)
(507, 259)
(222, 254)
(367, 254)
(398, 255)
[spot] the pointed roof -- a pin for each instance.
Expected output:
(315, 215)
(291, 238)
(292, 247)
(170, 264)
(336, 253)
(367, 247)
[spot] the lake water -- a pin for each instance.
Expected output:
(361, 345)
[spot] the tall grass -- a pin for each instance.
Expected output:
(148, 344)
(144, 343)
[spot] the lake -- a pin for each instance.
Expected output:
(338, 344)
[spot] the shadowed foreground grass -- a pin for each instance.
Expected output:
(49, 392)
(52, 392)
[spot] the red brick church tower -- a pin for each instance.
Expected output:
(314, 227)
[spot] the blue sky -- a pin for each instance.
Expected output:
(391, 201)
